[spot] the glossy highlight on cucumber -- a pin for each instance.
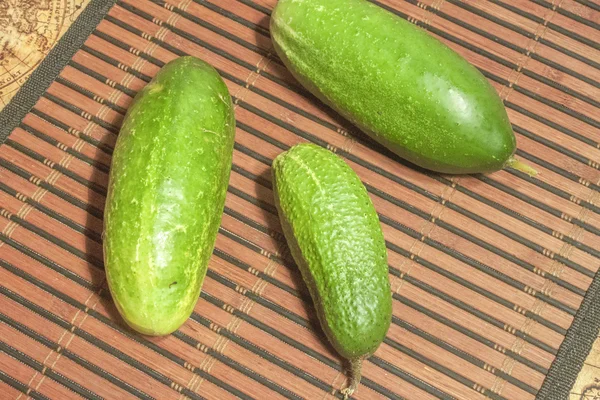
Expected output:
(397, 83)
(335, 237)
(167, 185)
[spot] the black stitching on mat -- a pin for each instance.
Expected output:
(575, 348)
(589, 4)
(20, 386)
(95, 236)
(263, 31)
(49, 372)
(523, 32)
(51, 188)
(52, 345)
(552, 25)
(56, 166)
(257, 350)
(54, 142)
(85, 137)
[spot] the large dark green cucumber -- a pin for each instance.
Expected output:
(397, 83)
(335, 238)
(167, 185)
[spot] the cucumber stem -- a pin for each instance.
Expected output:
(521, 166)
(355, 368)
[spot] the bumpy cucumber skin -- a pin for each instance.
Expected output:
(167, 185)
(398, 84)
(335, 238)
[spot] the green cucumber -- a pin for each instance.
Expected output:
(335, 237)
(399, 85)
(167, 185)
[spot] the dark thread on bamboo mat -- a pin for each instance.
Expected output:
(50, 67)
(69, 150)
(49, 372)
(104, 346)
(554, 125)
(236, 192)
(464, 355)
(47, 262)
(76, 110)
(303, 322)
(296, 319)
(575, 348)
(465, 331)
(50, 188)
(552, 25)
(117, 64)
(80, 306)
(257, 350)
(54, 166)
(537, 203)
(559, 192)
(533, 223)
(95, 261)
(55, 346)
(562, 172)
(237, 366)
(521, 31)
(90, 95)
(589, 4)
(318, 356)
(102, 79)
(64, 127)
(52, 213)
(554, 146)
(21, 387)
(248, 268)
(204, 24)
(234, 17)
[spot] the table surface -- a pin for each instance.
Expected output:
(40, 24)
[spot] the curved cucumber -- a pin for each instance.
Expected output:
(335, 238)
(398, 84)
(167, 185)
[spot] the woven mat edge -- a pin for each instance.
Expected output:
(575, 348)
(41, 78)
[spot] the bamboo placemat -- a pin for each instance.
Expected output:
(493, 276)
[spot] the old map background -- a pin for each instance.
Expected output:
(29, 29)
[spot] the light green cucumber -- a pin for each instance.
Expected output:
(335, 237)
(397, 83)
(167, 185)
